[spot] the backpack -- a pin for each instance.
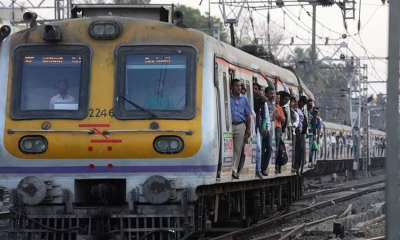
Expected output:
(282, 157)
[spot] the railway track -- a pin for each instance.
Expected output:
(293, 232)
(341, 189)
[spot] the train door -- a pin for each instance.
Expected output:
(223, 77)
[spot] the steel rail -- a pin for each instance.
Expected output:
(340, 189)
(263, 225)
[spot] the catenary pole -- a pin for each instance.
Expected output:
(314, 20)
(392, 125)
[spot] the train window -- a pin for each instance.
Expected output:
(155, 81)
(231, 75)
(249, 90)
(50, 82)
(226, 103)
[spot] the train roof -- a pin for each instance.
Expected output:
(243, 59)
(338, 127)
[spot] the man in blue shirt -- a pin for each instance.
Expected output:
(241, 122)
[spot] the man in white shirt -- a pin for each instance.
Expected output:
(62, 96)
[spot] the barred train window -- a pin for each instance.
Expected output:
(50, 83)
(160, 81)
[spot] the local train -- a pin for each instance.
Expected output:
(88, 148)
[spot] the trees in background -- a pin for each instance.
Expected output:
(248, 32)
(194, 19)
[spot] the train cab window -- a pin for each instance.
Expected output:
(155, 81)
(49, 82)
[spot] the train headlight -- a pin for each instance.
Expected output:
(28, 144)
(162, 145)
(168, 144)
(33, 144)
(40, 144)
(105, 30)
(174, 144)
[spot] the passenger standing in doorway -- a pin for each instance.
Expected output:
(269, 107)
(295, 123)
(342, 140)
(283, 103)
(333, 144)
(242, 160)
(241, 122)
(316, 137)
(279, 120)
(260, 126)
(301, 131)
(311, 130)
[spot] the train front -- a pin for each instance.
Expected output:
(103, 131)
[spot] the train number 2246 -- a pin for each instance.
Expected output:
(97, 112)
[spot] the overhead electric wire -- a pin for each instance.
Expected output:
(302, 39)
(352, 37)
(376, 76)
(320, 37)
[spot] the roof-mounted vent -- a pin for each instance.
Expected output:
(157, 12)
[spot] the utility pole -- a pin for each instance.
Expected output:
(231, 21)
(354, 115)
(359, 117)
(392, 125)
(366, 144)
(314, 20)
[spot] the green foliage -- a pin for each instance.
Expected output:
(194, 19)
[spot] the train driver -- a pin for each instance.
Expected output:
(158, 99)
(62, 96)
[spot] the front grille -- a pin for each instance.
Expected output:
(100, 227)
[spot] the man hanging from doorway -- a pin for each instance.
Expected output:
(241, 123)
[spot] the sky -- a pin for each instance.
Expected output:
(372, 41)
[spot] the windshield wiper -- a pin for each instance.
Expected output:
(137, 106)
